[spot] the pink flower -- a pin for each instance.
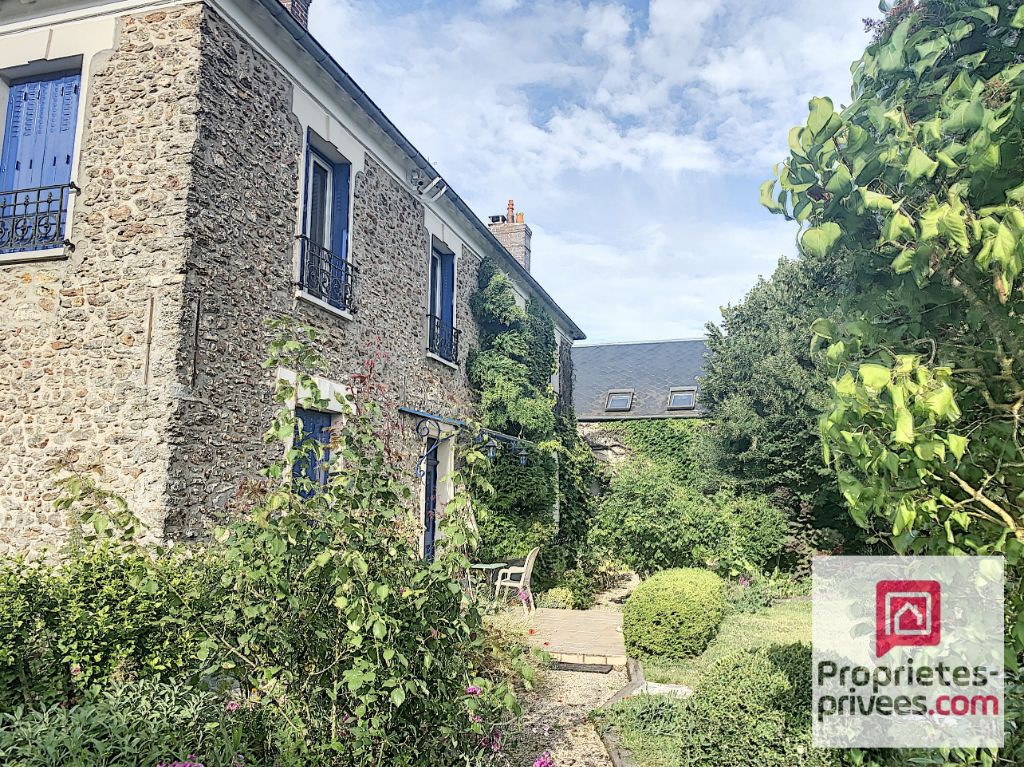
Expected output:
(76, 670)
(544, 760)
(231, 706)
(473, 690)
(475, 718)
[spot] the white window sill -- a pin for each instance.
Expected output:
(313, 300)
(442, 360)
(50, 254)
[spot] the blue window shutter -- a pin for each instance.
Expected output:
(447, 288)
(62, 116)
(39, 134)
(339, 214)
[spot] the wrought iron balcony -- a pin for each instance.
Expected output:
(327, 276)
(34, 219)
(443, 339)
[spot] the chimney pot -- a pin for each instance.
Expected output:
(512, 232)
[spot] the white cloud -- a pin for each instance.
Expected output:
(633, 137)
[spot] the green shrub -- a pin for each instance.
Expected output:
(651, 523)
(582, 586)
(558, 598)
(753, 593)
(136, 725)
(98, 615)
(752, 708)
(758, 529)
(674, 614)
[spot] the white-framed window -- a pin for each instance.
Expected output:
(619, 401)
(326, 273)
(682, 398)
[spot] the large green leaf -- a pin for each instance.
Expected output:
(904, 433)
(875, 377)
(920, 165)
(819, 241)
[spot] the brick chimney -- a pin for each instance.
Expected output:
(512, 232)
(299, 9)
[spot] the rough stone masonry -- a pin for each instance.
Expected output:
(138, 356)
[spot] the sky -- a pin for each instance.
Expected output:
(633, 135)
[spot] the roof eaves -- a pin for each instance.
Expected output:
(320, 55)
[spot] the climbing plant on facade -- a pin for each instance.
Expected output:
(512, 371)
(918, 185)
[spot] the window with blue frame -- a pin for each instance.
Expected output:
(36, 161)
(443, 339)
(326, 272)
(312, 425)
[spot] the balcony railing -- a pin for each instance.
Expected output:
(443, 339)
(34, 219)
(327, 276)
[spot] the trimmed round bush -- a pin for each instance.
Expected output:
(674, 614)
(752, 707)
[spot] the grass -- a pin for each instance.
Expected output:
(782, 623)
(646, 724)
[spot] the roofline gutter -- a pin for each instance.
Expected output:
(320, 55)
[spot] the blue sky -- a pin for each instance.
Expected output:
(633, 134)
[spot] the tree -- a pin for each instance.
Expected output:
(917, 187)
(766, 390)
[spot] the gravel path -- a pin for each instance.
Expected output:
(556, 719)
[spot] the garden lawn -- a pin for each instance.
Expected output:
(782, 623)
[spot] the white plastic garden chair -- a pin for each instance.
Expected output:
(518, 578)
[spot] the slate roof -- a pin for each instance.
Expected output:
(650, 369)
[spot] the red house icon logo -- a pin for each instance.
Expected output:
(907, 614)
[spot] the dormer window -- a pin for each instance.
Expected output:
(619, 401)
(682, 398)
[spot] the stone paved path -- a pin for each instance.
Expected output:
(584, 636)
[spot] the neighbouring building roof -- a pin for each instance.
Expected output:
(656, 379)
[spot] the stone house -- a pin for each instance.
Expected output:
(173, 174)
(634, 381)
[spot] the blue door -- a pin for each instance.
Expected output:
(430, 501)
(312, 424)
(39, 132)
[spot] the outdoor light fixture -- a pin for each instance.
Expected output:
(492, 451)
(523, 455)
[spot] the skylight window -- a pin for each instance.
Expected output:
(682, 399)
(619, 400)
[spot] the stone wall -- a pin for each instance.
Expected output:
(89, 343)
(243, 210)
(140, 354)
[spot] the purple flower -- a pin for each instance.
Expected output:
(473, 690)
(744, 581)
(544, 760)
(231, 706)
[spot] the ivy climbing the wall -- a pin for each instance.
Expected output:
(546, 502)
